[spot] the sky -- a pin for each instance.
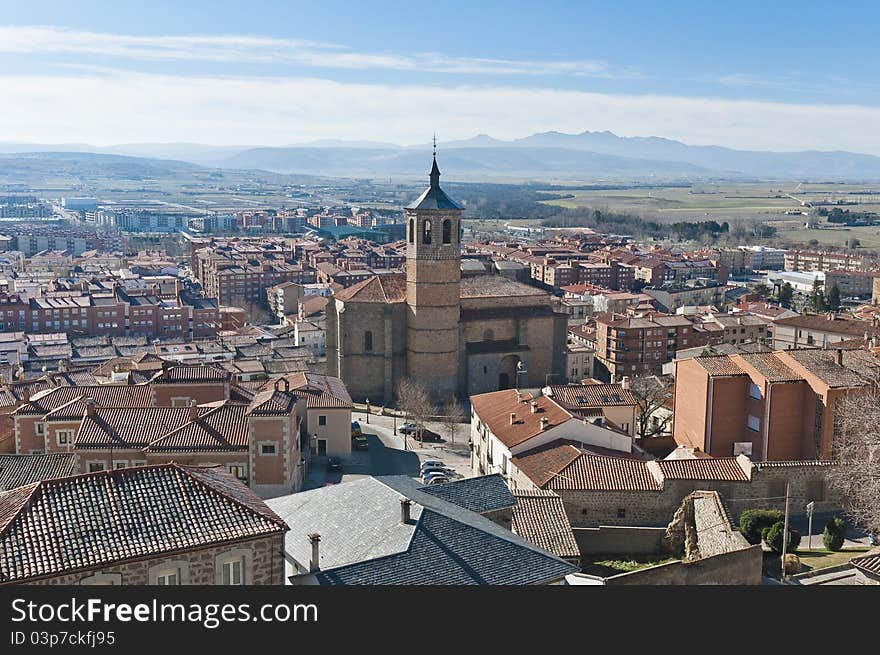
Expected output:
(748, 75)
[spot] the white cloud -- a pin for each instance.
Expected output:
(38, 40)
(110, 108)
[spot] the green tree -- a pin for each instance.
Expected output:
(816, 301)
(833, 301)
(786, 293)
(834, 534)
(753, 522)
(773, 537)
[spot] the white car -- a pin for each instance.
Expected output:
(437, 479)
(432, 463)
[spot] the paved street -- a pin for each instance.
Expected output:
(389, 455)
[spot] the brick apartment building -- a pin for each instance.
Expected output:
(630, 346)
(770, 406)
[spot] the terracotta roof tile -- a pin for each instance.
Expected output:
(539, 517)
(222, 428)
(719, 365)
(389, 288)
(90, 521)
(495, 408)
(726, 469)
(130, 427)
(576, 396)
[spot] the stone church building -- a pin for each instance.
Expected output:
(455, 335)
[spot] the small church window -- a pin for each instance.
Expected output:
(426, 232)
(412, 231)
(447, 231)
(368, 340)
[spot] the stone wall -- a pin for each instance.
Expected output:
(264, 566)
(619, 540)
(740, 567)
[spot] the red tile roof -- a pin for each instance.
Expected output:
(70, 402)
(88, 522)
(601, 473)
(223, 428)
(390, 288)
(539, 517)
(130, 427)
(495, 408)
(576, 396)
(727, 469)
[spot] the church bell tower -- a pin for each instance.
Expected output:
(433, 277)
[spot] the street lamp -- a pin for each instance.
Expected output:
(368, 410)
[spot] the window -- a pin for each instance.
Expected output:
(754, 423)
(64, 437)
(267, 449)
(94, 467)
(238, 470)
(368, 340)
(168, 577)
(447, 231)
(233, 572)
(180, 401)
(621, 513)
(755, 391)
(322, 420)
(40, 429)
(120, 463)
(412, 231)
(426, 232)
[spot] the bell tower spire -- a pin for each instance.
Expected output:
(434, 175)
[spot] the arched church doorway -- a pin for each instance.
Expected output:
(507, 372)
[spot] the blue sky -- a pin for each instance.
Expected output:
(763, 75)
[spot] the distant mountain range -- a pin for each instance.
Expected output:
(544, 156)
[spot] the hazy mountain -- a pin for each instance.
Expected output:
(547, 155)
(810, 163)
(482, 161)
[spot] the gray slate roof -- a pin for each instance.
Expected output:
(486, 493)
(364, 542)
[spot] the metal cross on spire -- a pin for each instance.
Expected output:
(435, 144)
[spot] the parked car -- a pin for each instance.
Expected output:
(360, 442)
(428, 435)
(437, 479)
(334, 464)
(355, 429)
(408, 428)
(426, 473)
(429, 463)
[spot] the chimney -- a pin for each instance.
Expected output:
(405, 505)
(840, 356)
(512, 418)
(193, 410)
(315, 562)
(624, 382)
(544, 422)
(534, 406)
(90, 406)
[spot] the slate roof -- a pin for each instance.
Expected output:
(482, 494)
(20, 470)
(90, 521)
(364, 542)
(434, 197)
(539, 517)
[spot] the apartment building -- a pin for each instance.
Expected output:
(808, 260)
(820, 330)
(629, 346)
(768, 406)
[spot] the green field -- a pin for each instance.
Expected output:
(868, 236)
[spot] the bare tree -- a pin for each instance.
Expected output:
(413, 398)
(652, 393)
(453, 417)
(856, 448)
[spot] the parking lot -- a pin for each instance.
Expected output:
(389, 454)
